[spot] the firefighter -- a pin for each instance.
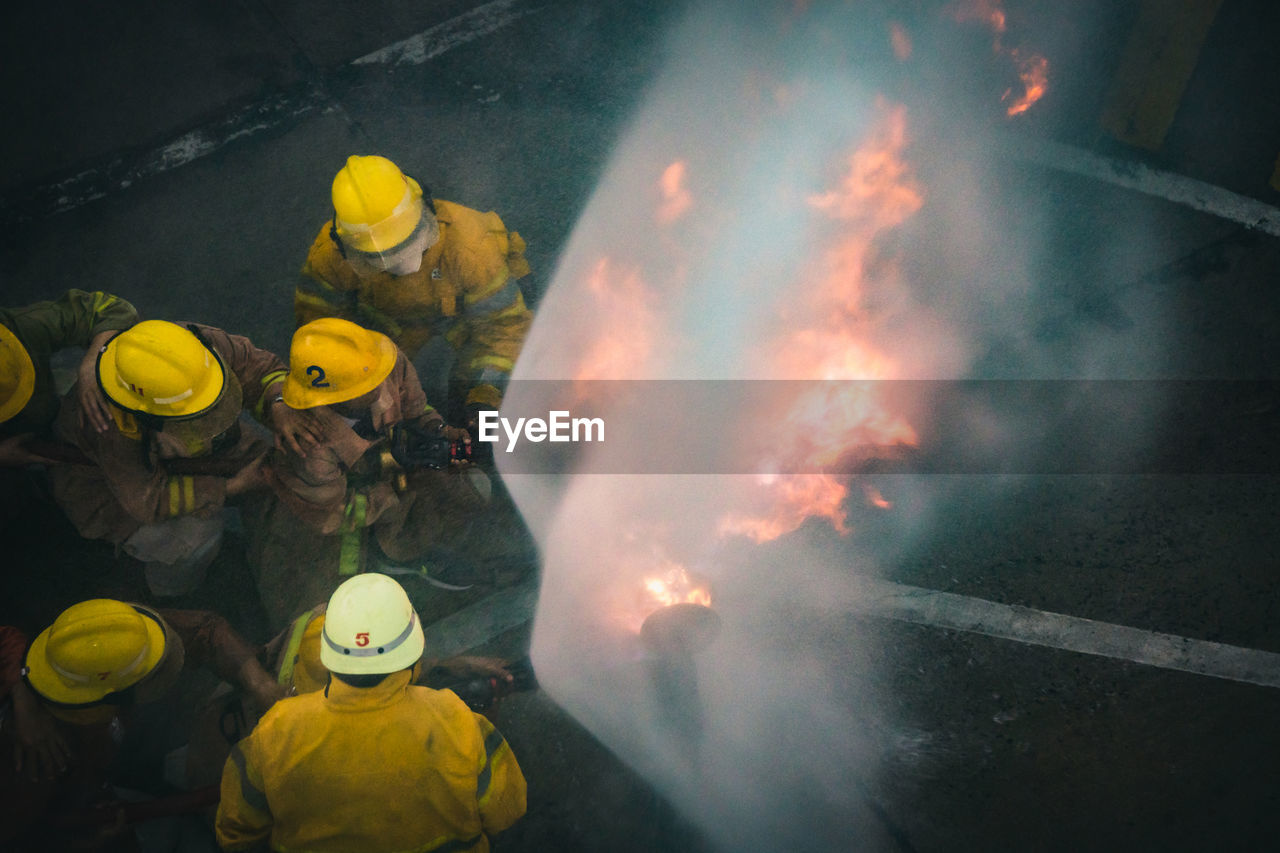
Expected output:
(395, 260)
(346, 768)
(76, 696)
(176, 393)
(293, 657)
(28, 337)
(360, 510)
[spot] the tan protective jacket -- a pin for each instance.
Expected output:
(329, 508)
(317, 489)
(466, 290)
(124, 489)
(380, 769)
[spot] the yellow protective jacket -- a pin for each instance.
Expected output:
(370, 770)
(73, 320)
(466, 290)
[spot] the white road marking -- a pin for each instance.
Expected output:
(481, 622)
(123, 171)
(478, 623)
(415, 50)
(1169, 186)
(1059, 631)
(484, 20)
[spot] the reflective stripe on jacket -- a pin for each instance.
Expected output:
(317, 487)
(123, 490)
(380, 769)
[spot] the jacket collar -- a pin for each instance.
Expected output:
(344, 697)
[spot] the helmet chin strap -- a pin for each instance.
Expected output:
(333, 235)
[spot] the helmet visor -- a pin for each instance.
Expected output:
(404, 257)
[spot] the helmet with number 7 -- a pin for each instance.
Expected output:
(370, 628)
(332, 360)
(94, 650)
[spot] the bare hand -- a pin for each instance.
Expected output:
(264, 690)
(297, 430)
(465, 666)
(38, 745)
(14, 455)
(94, 409)
(249, 478)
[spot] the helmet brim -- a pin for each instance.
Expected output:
(386, 235)
(372, 661)
(192, 430)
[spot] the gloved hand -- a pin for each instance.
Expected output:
(481, 451)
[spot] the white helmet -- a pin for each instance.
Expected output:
(370, 627)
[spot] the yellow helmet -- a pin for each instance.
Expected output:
(331, 360)
(17, 374)
(160, 368)
(309, 674)
(370, 627)
(376, 207)
(93, 649)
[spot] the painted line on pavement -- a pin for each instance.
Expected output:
(1058, 631)
(479, 22)
(1197, 195)
(122, 171)
(508, 608)
(478, 623)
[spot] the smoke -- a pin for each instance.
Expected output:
(806, 194)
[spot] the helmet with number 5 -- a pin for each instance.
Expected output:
(370, 628)
(332, 360)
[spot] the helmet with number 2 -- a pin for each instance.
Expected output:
(332, 360)
(370, 627)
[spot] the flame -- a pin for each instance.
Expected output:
(828, 422)
(875, 498)
(1034, 73)
(674, 586)
(878, 188)
(676, 200)
(1033, 70)
(624, 305)
(900, 41)
(662, 582)
(983, 11)
(796, 498)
